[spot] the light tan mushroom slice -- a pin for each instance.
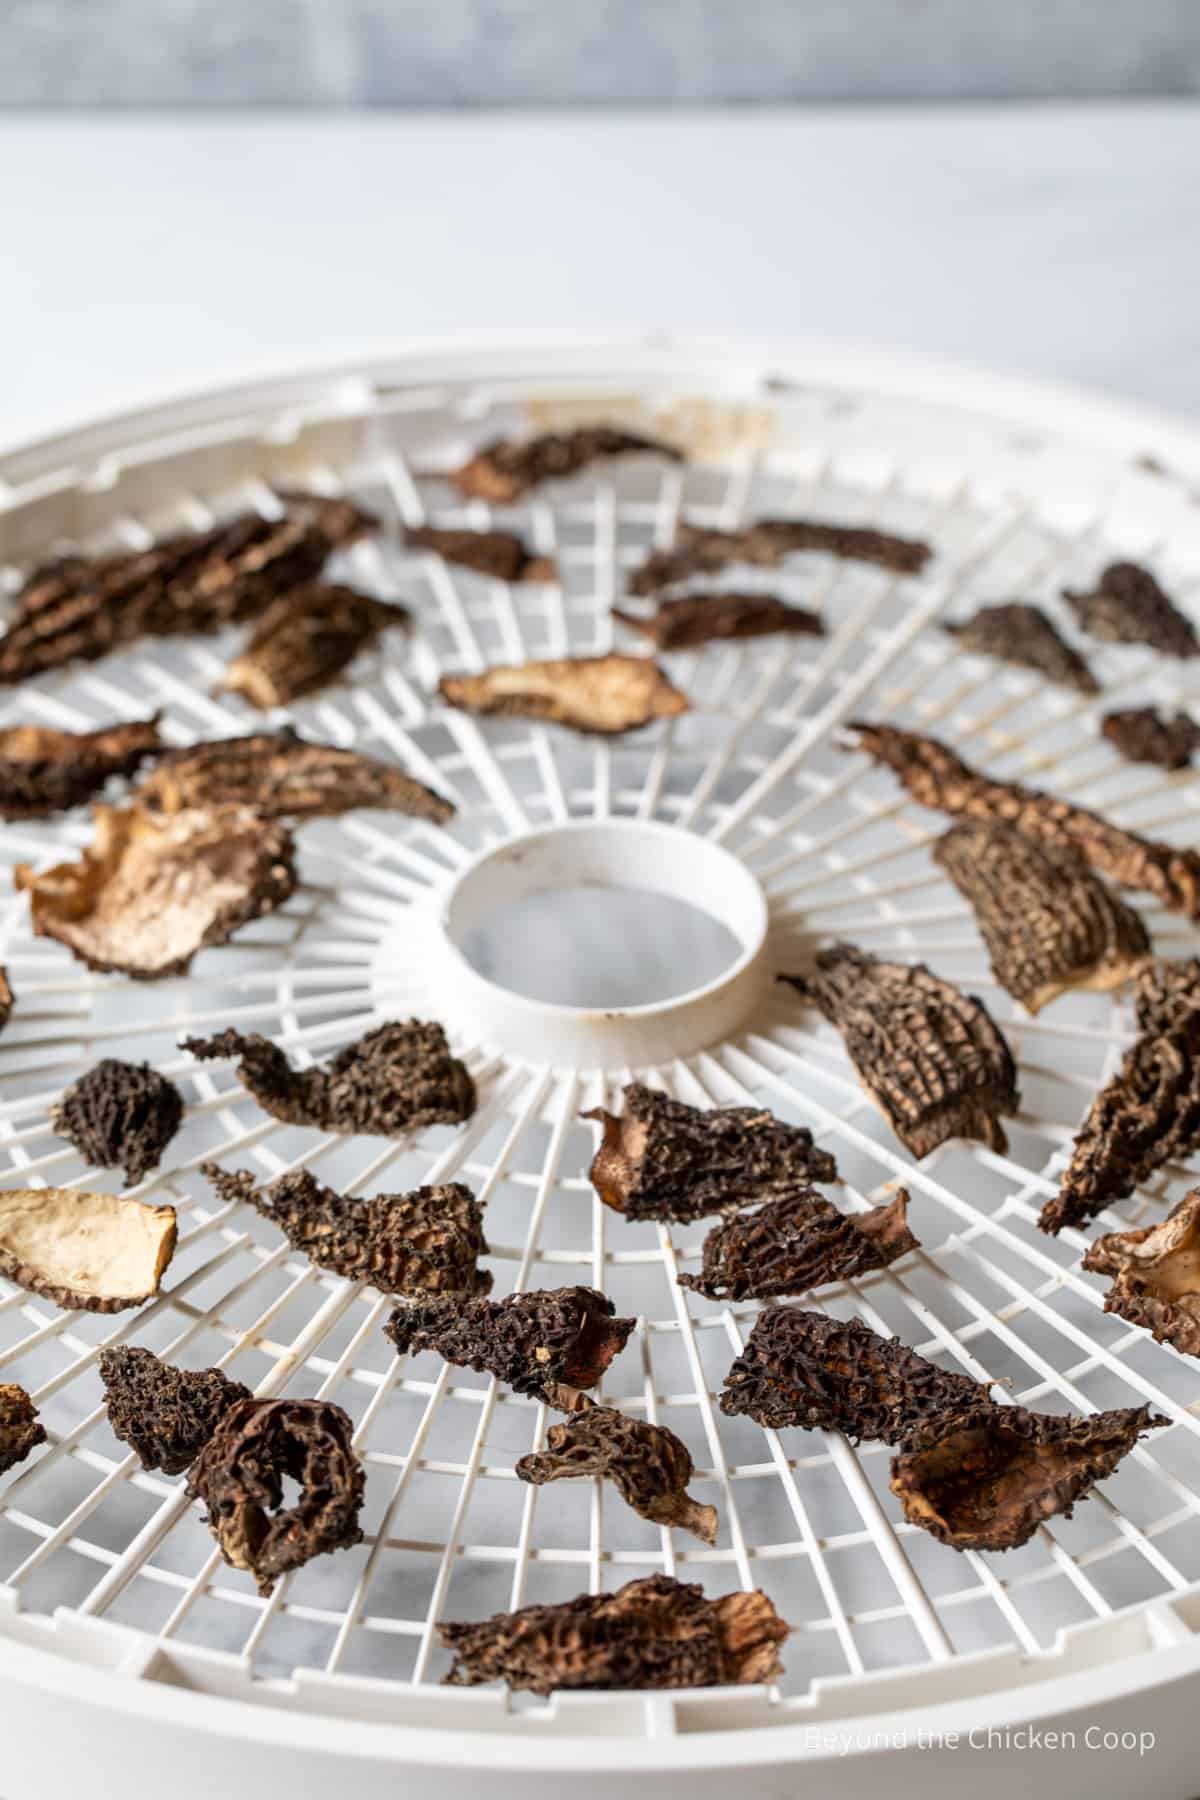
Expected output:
(86, 1252)
(601, 694)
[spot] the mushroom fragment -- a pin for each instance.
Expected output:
(1144, 734)
(305, 640)
(120, 1115)
(166, 1415)
(7, 999)
(688, 620)
(700, 550)
(44, 771)
(20, 1428)
(1013, 632)
(500, 554)
(648, 1465)
(1156, 1275)
(86, 1252)
(505, 469)
(603, 695)
(1127, 606)
(796, 1243)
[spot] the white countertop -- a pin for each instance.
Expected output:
(144, 255)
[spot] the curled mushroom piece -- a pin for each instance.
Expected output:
(239, 1476)
(652, 1633)
(120, 1115)
(1146, 734)
(1013, 632)
(506, 469)
(1127, 606)
(165, 1415)
(20, 1428)
(796, 1243)
(602, 695)
(86, 1252)
(305, 640)
(44, 771)
(648, 1465)
(688, 620)
(153, 890)
(1156, 1275)
(501, 554)
(701, 550)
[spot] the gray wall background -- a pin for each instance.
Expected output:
(341, 53)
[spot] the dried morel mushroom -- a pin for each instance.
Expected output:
(547, 1343)
(605, 695)
(938, 778)
(989, 1482)
(281, 775)
(1048, 922)
(801, 1368)
(501, 554)
(44, 771)
(305, 640)
(648, 1465)
(425, 1242)
(166, 1415)
(1013, 632)
(701, 551)
(662, 1159)
(652, 1633)
(20, 1428)
(688, 620)
(153, 890)
(239, 1476)
(1143, 734)
(120, 1115)
(1168, 996)
(1156, 1275)
(85, 1252)
(932, 1057)
(398, 1078)
(1127, 606)
(797, 1243)
(81, 608)
(504, 470)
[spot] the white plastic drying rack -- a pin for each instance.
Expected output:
(128, 1652)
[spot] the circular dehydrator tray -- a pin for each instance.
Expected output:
(103, 1566)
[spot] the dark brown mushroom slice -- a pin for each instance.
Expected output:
(86, 1252)
(937, 778)
(802, 1368)
(547, 1343)
(663, 1159)
(80, 608)
(701, 550)
(688, 620)
(1145, 734)
(1127, 606)
(500, 554)
(279, 775)
(1049, 923)
(395, 1079)
(428, 1241)
(1014, 632)
(1156, 1275)
(120, 1115)
(648, 1465)
(152, 890)
(990, 1481)
(505, 469)
(43, 771)
(603, 695)
(932, 1057)
(796, 1243)
(239, 1476)
(166, 1415)
(20, 1428)
(652, 1633)
(7, 998)
(305, 640)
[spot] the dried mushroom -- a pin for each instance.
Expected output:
(1127, 606)
(20, 1428)
(1014, 632)
(153, 890)
(605, 695)
(425, 1242)
(7, 999)
(688, 620)
(1049, 924)
(801, 1368)
(501, 554)
(85, 1252)
(504, 470)
(797, 1243)
(281, 775)
(989, 1482)
(699, 550)
(938, 778)
(1143, 734)
(398, 1078)
(662, 1159)
(548, 1343)
(931, 1056)
(648, 1465)
(1156, 1275)
(44, 771)
(239, 1476)
(120, 1115)
(652, 1633)
(305, 640)
(166, 1415)
(80, 608)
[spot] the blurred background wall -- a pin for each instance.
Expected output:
(468, 53)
